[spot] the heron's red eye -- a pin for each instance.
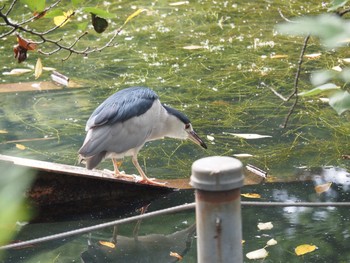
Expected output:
(187, 126)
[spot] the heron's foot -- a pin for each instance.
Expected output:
(122, 174)
(151, 181)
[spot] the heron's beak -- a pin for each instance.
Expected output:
(192, 135)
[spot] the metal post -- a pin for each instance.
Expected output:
(217, 181)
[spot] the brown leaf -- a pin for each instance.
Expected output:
(322, 187)
(26, 44)
(20, 53)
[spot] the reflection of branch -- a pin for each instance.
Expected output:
(21, 26)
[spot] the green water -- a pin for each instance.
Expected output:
(222, 87)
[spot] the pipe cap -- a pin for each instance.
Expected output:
(217, 173)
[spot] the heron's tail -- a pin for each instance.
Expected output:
(92, 161)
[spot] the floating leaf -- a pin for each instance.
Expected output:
(3, 131)
(17, 71)
(248, 136)
(64, 19)
(271, 242)
(313, 56)
(278, 56)
(38, 68)
(322, 187)
(340, 101)
(98, 12)
(243, 155)
(304, 249)
(133, 15)
(337, 68)
(346, 60)
(265, 226)
(107, 244)
(193, 47)
(100, 24)
(210, 138)
(20, 146)
(257, 254)
(175, 255)
(319, 89)
(179, 3)
(251, 195)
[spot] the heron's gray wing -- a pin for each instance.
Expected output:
(122, 106)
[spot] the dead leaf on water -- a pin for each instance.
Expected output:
(257, 254)
(248, 136)
(192, 47)
(278, 56)
(251, 195)
(179, 3)
(323, 187)
(265, 226)
(313, 56)
(17, 71)
(107, 244)
(175, 255)
(3, 131)
(20, 146)
(38, 69)
(304, 249)
(271, 242)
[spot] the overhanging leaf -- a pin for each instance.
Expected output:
(133, 15)
(37, 5)
(319, 90)
(64, 19)
(337, 4)
(330, 28)
(340, 101)
(99, 12)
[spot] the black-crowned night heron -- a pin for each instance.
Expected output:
(125, 121)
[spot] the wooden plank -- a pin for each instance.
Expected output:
(60, 189)
(34, 86)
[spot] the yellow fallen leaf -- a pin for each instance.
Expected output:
(323, 187)
(107, 244)
(243, 241)
(304, 249)
(38, 68)
(257, 254)
(62, 20)
(175, 255)
(251, 195)
(265, 226)
(20, 146)
(133, 15)
(3, 131)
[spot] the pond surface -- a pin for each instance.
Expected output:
(215, 61)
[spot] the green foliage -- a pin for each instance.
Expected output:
(340, 101)
(12, 205)
(35, 5)
(336, 4)
(332, 30)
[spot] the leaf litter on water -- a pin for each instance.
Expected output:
(304, 249)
